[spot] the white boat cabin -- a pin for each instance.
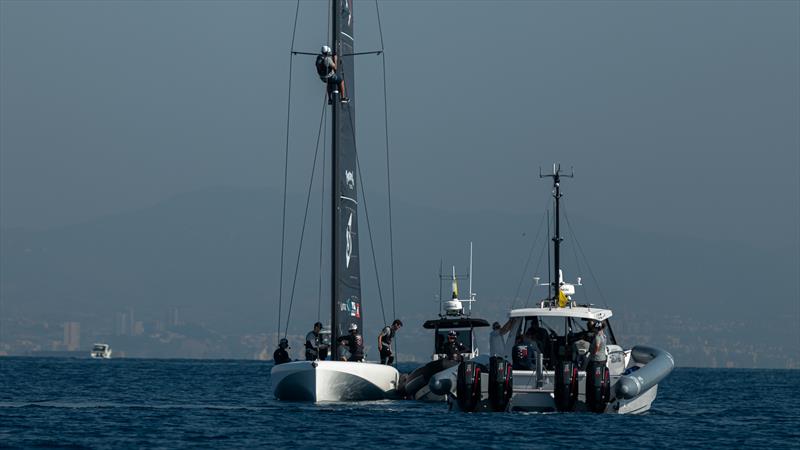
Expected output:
(553, 329)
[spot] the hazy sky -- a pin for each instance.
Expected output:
(678, 116)
(681, 119)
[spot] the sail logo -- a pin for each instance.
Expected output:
(348, 250)
(347, 11)
(352, 307)
(350, 179)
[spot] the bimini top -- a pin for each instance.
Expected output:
(579, 312)
(457, 322)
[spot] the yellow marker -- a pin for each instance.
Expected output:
(562, 299)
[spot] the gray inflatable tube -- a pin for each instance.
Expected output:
(442, 382)
(657, 365)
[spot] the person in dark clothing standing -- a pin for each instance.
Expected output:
(385, 341)
(453, 348)
(313, 342)
(354, 343)
(281, 355)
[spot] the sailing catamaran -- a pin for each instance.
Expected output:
(338, 380)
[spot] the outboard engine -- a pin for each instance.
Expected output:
(566, 386)
(598, 386)
(501, 384)
(468, 385)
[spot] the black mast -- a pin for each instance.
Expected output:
(334, 198)
(346, 307)
(556, 176)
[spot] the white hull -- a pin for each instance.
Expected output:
(103, 352)
(632, 391)
(527, 397)
(333, 381)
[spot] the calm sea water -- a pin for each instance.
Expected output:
(50, 402)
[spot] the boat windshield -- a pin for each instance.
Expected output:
(464, 336)
(555, 326)
(550, 333)
(99, 348)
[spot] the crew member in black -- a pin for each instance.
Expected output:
(281, 355)
(354, 343)
(313, 342)
(453, 348)
(536, 335)
(385, 341)
(327, 64)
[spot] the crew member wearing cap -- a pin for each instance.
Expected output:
(385, 341)
(354, 343)
(598, 350)
(281, 355)
(453, 348)
(313, 342)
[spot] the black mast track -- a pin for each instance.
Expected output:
(556, 176)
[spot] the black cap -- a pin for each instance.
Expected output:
(318, 324)
(452, 333)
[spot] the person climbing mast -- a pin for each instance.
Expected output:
(327, 64)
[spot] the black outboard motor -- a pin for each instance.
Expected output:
(566, 386)
(598, 386)
(468, 385)
(501, 384)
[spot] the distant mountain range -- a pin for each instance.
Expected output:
(215, 254)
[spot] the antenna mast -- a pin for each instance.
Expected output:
(556, 176)
(471, 294)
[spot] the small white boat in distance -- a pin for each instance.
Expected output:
(101, 351)
(333, 381)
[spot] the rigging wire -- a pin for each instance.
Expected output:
(322, 192)
(575, 253)
(589, 266)
(305, 215)
(388, 171)
(366, 215)
(527, 262)
(322, 218)
(286, 171)
(536, 270)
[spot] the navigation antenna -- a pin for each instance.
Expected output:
(471, 294)
(454, 305)
(556, 176)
